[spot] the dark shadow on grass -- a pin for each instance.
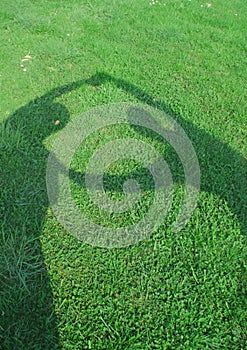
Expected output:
(27, 318)
(223, 170)
(27, 313)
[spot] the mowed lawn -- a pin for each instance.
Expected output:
(185, 290)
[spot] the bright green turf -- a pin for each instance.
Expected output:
(172, 291)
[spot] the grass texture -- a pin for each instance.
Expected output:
(172, 291)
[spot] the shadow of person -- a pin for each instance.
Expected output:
(223, 170)
(26, 309)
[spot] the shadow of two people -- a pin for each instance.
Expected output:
(28, 319)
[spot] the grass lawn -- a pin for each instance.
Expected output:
(172, 291)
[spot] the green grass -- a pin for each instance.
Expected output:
(171, 291)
